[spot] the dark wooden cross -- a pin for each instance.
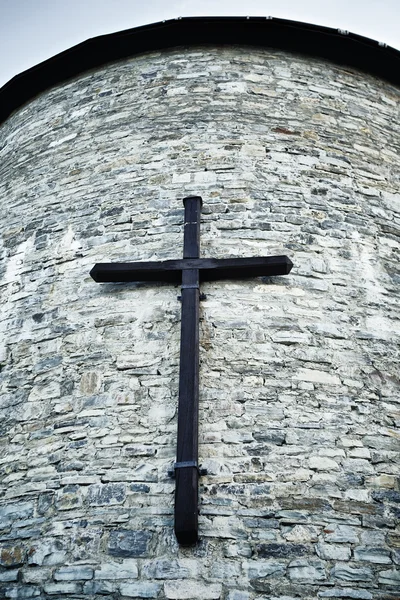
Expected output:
(190, 271)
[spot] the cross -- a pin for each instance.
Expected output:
(190, 271)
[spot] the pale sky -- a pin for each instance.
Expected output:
(33, 30)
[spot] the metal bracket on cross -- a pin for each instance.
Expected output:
(184, 465)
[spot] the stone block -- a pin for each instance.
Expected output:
(302, 533)
(387, 496)
(192, 590)
(36, 575)
(126, 569)
(316, 376)
(45, 502)
(102, 587)
(382, 481)
(12, 556)
(341, 534)
(257, 569)
(357, 495)
(128, 543)
(22, 592)
(238, 595)
(390, 578)
(356, 594)
(321, 463)
(333, 551)
(238, 549)
(73, 573)
(105, 494)
(9, 575)
(306, 570)
(47, 552)
(372, 554)
(223, 570)
(15, 512)
(62, 589)
(381, 442)
(69, 497)
(142, 589)
(91, 382)
(164, 568)
(282, 550)
(346, 572)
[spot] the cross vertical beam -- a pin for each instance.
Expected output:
(186, 467)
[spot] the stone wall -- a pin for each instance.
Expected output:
(299, 374)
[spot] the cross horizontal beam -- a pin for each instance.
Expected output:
(210, 269)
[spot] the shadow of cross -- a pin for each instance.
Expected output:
(190, 271)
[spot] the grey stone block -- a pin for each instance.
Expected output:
(22, 592)
(128, 543)
(306, 570)
(346, 572)
(142, 589)
(73, 573)
(282, 550)
(104, 494)
(358, 594)
(372, 554)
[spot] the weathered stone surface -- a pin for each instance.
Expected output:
(306, 570)
(91, 382)
(333, 551)
(72, 573)
(12, 556)
(62, 588)
(9, 575)
(36, 575)
(346, 572)
(238, 595)
(321, 463)
(104, 494)
(128, 543)
(261, 568)
(372, 554)
(165, 568)
(390, 577)
(299, 374)
(192, 589)
(335, 533)
(345, 593)
(301, 533)
(69, 497)
(127, 569)
(383, 481)
(47, 552)
(14, 512)
(21, 592)
(102, 587)
(316, 376)
(45, 502)
(386, 496)
(140, 590)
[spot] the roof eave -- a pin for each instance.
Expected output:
(335, 45)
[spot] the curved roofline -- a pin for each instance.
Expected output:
(335, 45)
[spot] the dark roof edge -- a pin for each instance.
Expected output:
(333, 44)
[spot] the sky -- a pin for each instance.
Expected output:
(32, 31)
